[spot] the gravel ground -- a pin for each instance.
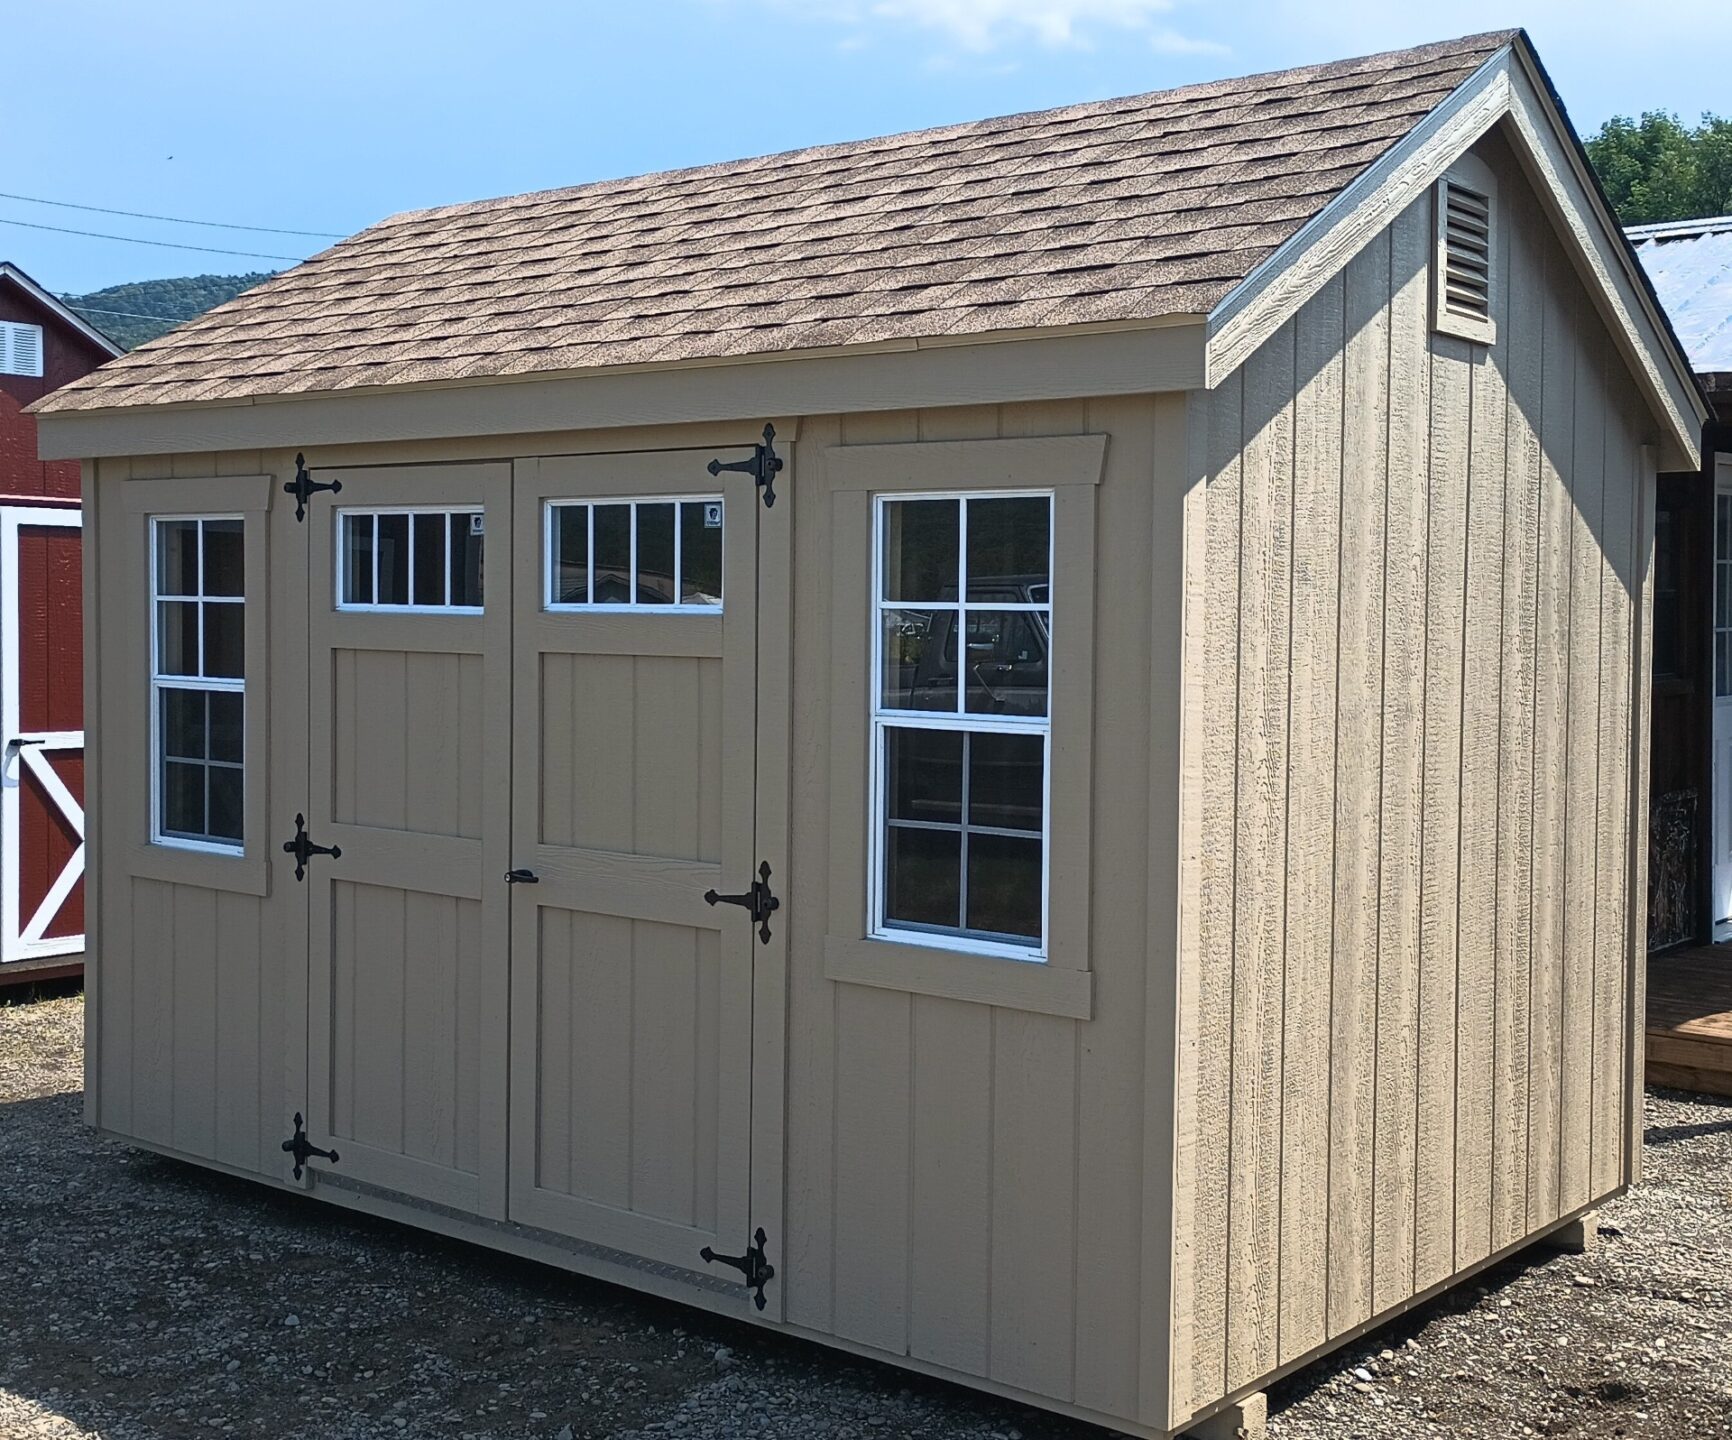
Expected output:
(141, 1299)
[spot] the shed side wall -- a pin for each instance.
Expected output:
(968, 1182)
(190, 1051)
(1416, 583)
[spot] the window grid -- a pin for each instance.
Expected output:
(348, 520)
(678, 605)
(960, 720)
(165, 683)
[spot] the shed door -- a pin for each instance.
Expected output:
(42, 703)
(635, 728)
(409, 731)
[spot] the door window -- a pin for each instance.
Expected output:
(961, 740)
(420, 558)
(660, 555)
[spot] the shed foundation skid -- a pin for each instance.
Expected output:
(1102, 897)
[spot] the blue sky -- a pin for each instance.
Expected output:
(325, 116)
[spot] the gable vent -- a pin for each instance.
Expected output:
(20, 348)
(1464, 261)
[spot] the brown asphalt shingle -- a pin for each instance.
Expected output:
(1121, 210)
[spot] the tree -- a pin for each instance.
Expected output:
(1658, 169)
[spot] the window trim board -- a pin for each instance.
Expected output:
(130, 507)
(850, 956)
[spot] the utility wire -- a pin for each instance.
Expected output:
(162, 244)
(130, 314)
(171, 219)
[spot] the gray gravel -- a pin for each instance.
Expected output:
(142, 1299)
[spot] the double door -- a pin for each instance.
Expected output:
(534, 737)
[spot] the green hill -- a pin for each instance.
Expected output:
(132, 314)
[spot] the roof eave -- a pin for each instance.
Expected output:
(1061, 362)
(1509, 85)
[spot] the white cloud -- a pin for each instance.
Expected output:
(982, 25)
(1171, 42)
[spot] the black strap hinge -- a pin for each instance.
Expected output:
(754, 1265)
(764, 466)
(303, 1149)
(303, 849)
(758, 902)
(303, 485)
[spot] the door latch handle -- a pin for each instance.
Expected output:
(522, 877)
(758, 902)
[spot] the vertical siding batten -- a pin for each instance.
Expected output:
(1358, 770)
(1314, 588)
(1397, 1095)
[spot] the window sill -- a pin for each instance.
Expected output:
(207, 869)
(956, 975)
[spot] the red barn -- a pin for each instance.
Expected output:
(43, 345)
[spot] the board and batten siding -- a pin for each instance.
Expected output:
(185, 1011)
(1413, 627)
(977, 1186)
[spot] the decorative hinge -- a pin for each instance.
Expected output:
(303, 849)
(754, 1265)
(303, 1149)
(764, 466)
(758, 902)
(303, 485)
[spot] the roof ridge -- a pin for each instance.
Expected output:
(1488, 39)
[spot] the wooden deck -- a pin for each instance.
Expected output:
(1690, 1019)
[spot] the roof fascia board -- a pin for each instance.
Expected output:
(59, 307)
(1055, 367)
(1607, 266)
(1273, 292)
(1505, 86)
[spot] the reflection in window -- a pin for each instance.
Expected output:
(198, 680)
(635, 553)
(419, 559)
(964, 634)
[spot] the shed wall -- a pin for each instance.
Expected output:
(185, 1011)
(974, 1185)
(1413, 588)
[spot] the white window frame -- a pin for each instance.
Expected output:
(550, 558)
(960, 720)
(159, 683)
(339, 567)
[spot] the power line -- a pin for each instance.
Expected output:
(171, 219)
(129, 314)
(161, 244)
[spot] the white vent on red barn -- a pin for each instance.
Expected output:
(1464, 274)
(20, 348)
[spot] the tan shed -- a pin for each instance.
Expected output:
(1170, 754)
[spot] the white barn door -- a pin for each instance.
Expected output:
(42, 769)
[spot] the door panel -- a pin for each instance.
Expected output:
(410, 755)
(632, 1025)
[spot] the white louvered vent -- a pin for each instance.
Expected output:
(1465, 247)
(20, 348)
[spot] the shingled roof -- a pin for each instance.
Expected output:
(1118, 211)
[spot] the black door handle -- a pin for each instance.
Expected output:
(522, 877)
